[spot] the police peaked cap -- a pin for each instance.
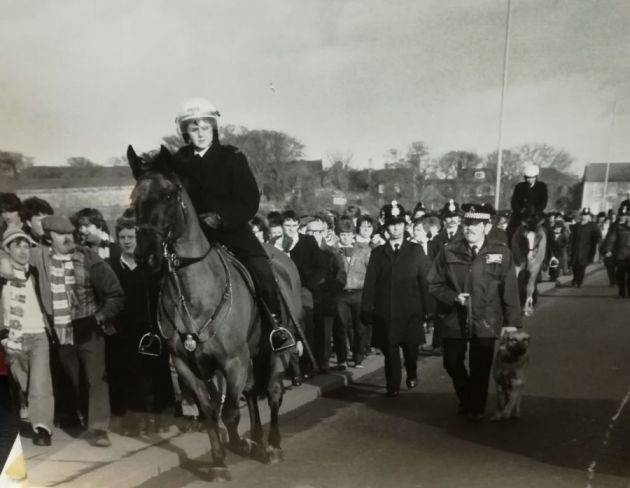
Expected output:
(586, 211)
(419, 208)
(392, 213)
(478, 211)
(450, 209)
(623, 209)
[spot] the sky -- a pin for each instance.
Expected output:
(87, 78)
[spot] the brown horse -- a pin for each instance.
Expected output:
(206, 313)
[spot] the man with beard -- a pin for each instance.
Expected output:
(394, 299)
(451, 229)
(81, 295)
(474, 283)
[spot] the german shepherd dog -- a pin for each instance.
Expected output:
(509, 374)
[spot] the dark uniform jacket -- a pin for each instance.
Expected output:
(310, 262)
(222, 182)
(491, 281)
(526, 196)
(584, 240)
(618, 242)
(395, 294)
(442, 239)
(334, 281)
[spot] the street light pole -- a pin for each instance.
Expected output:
(604, 203)
(497, 192)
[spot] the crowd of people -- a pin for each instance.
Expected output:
(78, 323)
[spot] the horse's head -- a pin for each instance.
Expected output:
(158, 204)
(532, 218)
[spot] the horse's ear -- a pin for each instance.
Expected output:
(163, 162)
(135, 162)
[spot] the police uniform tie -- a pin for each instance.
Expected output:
(474, 250)
(396, 247)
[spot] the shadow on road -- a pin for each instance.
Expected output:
(568, 433)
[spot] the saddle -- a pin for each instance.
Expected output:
(280, 338)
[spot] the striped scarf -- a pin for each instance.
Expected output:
(62, 281)
(15, 301)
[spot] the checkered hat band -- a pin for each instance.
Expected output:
(477, 215)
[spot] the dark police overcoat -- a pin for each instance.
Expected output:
(584, 240)
(395, 294)
(526, 196)
(491, 281)
(222, 182)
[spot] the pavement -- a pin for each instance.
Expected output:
(175, 458)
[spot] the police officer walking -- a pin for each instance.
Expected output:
(474, 283)
(394, 299)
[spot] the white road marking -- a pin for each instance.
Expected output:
(592, 467)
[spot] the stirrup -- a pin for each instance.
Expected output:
(280, 339)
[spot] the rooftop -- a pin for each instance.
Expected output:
(596, 172)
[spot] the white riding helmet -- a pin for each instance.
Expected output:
(531, 171)
(196, 108)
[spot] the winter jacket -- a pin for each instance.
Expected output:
(395, 294)
(618, 242)
(584, 240)
(356, 258)
(490, 280)
(90, 272)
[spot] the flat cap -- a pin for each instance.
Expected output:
(58, 224)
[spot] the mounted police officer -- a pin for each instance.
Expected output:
(474, 283)
(225, 195)
(529, 195)
(394, 299)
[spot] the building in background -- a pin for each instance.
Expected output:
(617, 185)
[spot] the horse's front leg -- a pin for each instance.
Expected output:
(237, 373)
(529, 294)
(210, 407)
(275, 391)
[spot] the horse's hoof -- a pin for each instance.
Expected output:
(220, 474)
(496, 417)
(274, 455)
(246, 448)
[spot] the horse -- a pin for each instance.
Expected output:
(529, 244)
(206, 313)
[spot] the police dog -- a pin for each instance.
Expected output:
(509, 374)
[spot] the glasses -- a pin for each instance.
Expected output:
(311, 231)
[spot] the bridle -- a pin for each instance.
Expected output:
(174, 262)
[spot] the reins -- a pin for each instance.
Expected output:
(191, 333)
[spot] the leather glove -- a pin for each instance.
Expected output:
(212, 219)
(4, 333)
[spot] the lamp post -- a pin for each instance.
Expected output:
(506, 50)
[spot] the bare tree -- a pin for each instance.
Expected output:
(545, 156)
(80, 162)
(12, 163)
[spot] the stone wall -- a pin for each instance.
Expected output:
(110, 200)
